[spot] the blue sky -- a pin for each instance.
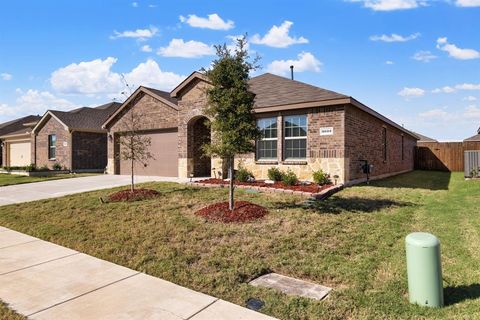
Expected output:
(415, 61)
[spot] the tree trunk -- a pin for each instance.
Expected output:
(231, 203)
(132, 187)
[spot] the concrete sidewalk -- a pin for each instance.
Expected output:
(45, 281)
(58, 188)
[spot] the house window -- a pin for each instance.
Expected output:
(267, 145)
(295, 137)
(403, 149)
(384, 140)
(52, 146)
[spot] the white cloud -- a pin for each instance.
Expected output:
(389, 62)
(470, 98)
(213, 21)
(149, 74)
(135, 4)
(278, 37)
(34, 102)
(97, 77)
(411, 92)
(189, 49)
(446, 89)
(456, 52)
(6, 76)
(394, 37)
(391, 5)
(434, 114)
(146, 48)
(305, 62)
(468, 3)
(468, 86)
(140, 34)
(424, 56)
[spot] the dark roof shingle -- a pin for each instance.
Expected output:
(87, 118)
(17, 126)
(163, 94)
(271, 90)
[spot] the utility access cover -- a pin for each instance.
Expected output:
(292, 286)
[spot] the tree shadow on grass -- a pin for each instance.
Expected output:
(337, 205)
(457, 294)
(429, 180)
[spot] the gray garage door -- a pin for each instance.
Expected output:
(164, 149)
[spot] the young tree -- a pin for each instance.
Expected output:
(134, 146)
(230, 106)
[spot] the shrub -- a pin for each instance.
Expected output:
(289, 178)
(57, 166)
(243, 175)
(43, 168)
(320, 177)
(30, 167)
(275, 174)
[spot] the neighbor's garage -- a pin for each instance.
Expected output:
(19, 154)
(164, 149)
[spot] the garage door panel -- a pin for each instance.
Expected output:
(164, 149)
(19, 154)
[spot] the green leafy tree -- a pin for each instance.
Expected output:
(230, 106)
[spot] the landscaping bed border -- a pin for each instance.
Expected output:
(323, 194)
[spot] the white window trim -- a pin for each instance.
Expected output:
(257, 158)
(295, 138)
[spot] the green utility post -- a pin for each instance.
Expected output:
(424, 269)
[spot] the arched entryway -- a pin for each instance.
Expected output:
(199, 133)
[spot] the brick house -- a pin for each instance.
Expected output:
(74, 140)
(306, 128)
(15, 141)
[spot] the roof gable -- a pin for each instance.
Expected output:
(162, 96)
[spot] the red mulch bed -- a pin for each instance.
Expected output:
(136, 195)
(244, 212)
(311, 188)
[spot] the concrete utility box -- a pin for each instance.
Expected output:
(424, 268)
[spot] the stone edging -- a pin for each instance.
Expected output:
(319, 196)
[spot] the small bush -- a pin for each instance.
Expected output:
(290, 178)
(43, 168)
(320, 177)
(30, 167)
(275, 174)
(243, 175)
(57, 166)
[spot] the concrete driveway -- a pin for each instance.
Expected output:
(58, 188)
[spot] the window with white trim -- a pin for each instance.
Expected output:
(295, 144)
(267, 145)
(52, 146)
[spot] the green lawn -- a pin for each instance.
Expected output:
(11, 179)
(353, 242)
(8, 314)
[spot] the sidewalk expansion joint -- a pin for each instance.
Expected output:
(84, 294)
(40, 263)
(207, 306)
(17, 244)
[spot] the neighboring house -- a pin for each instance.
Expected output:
(306, 128)
(15, 141)
(475, 138)
(422, 138)
(74, 140)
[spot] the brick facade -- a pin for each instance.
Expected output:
(356, 135)
(364, 141)
(89, 150)
(155, 115)
(63, 149)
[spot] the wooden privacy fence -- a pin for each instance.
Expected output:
(443, 156)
